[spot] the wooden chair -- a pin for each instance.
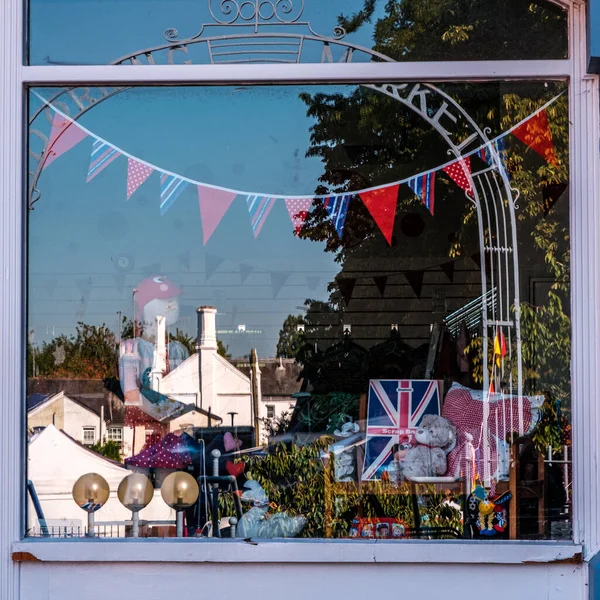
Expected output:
(526, 483)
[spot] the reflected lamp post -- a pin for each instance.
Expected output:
(179, 491)
(91, 492)
(135, 492)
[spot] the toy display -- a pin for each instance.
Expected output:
(380, 528)
(434, 439)
(395, 411)
(488, 513)
(257, 523)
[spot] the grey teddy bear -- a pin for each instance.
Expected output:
(435, 437)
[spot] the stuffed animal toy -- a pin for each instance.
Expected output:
(465, 408)
(256, 523)
(434, 438)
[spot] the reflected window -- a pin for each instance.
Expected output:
(391, 261)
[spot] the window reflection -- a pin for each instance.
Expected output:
(334, 325)
(191, 32)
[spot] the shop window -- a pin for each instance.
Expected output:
(89, 436)
(419, 234)
(191, 32)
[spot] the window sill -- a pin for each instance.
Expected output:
(295, 551)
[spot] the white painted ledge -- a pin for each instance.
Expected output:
(295, 551)
(309, 73)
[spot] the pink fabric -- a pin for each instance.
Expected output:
(466, 412)
(213, 206)
(65, 135)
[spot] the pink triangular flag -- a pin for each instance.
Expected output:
(137, 173)
(213, 206)
(64, 135)
(298, 209)
(460, 172)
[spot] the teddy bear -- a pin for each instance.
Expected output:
(435, 437)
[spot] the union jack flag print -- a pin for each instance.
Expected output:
(395, 410)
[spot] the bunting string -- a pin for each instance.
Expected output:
(381, 201)
(247, 194)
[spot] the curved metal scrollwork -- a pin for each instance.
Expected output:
(257, 11)
(253, 13)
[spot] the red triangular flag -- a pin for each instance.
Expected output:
(298, 209)
(460, 172)
(64, 135)
(213, 206)
(381, 204)
(137, 173)
(535, 132)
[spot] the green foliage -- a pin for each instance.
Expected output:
(290, 339)
(90, 354)
(295, 481)
(109, 449)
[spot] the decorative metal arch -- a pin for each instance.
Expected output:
(270, 31)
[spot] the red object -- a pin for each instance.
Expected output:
(153, 288)
(298, 209)
(460, 172)
(536, 134)
(64, 135)
(379, 527)
(235, 469)
(381, 204)
(466, 413)
(137, 173)
(172, 452)
(214, 204)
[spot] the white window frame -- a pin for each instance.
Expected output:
(113, 439)
(585, 285)
(270, 408)
(88, 430)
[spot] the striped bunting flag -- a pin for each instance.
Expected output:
(423, 187)
(259, 208)
(171, 187)
(337, 209)
(500, 146)
(102, 155)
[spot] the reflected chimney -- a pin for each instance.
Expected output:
(207, 327)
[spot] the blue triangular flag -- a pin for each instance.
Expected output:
(337, 209)
(102, 155)
(423, 186)
(171, 187)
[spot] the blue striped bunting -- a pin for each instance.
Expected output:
(102, 155)
(423, 187)
(171, 187)
(500, 146)
(337, 209)
(259, 208)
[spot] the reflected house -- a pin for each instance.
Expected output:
(208, 381)
(91, 411)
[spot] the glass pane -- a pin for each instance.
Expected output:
(349, 313)
(161, 32)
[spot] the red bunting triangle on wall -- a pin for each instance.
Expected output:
(460, 172)
(535, 132)
(64, 135)
(381, 204)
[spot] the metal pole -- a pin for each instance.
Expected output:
(135, 524)
(91, 525)
(179, 522)
(255, 395)
(233, 524)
